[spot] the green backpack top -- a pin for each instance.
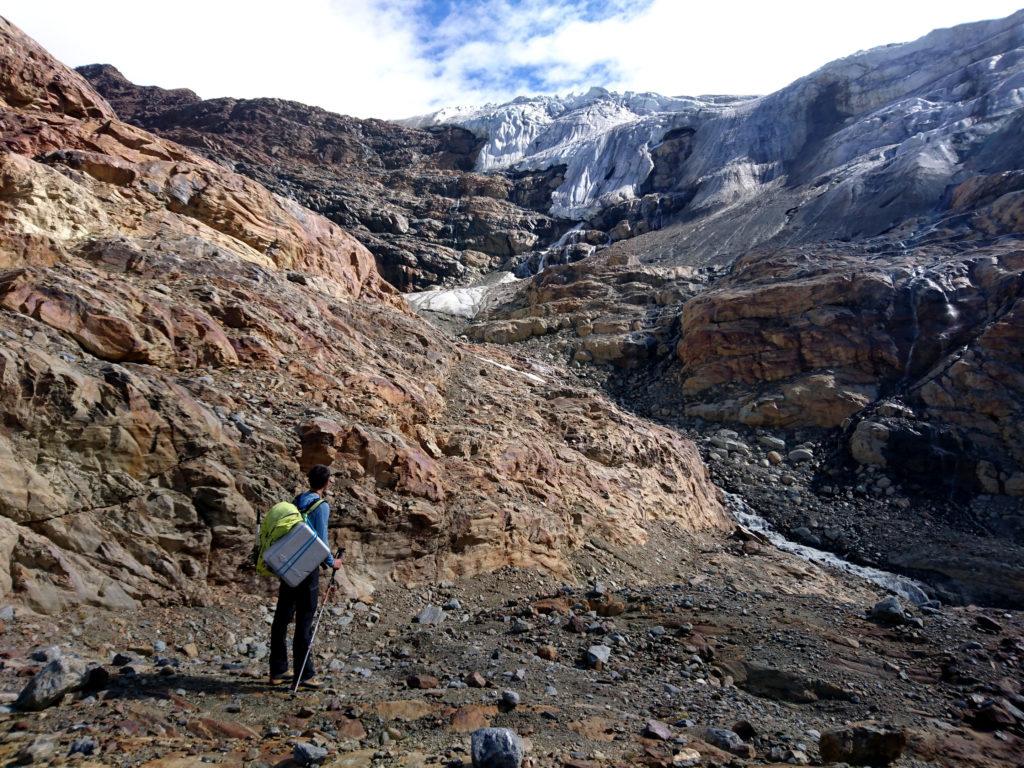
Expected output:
(281, 518)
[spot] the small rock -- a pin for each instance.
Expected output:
(686, 757)
(476, 680)
(889, 611)
(782, 754)
(86, 745)
(46, 654)
(772, 443)
(598, 656)
(774, 458)
(655, 729)
(985, 624)
(431, 614)
(744, 729)
(804, 535)
(40, 750)
(576, 625)
(305, 753)
(728, 740)
(496, 748)
(423, 682)
(800, 455)
(608, 606)
(510, 699)
(548, 652)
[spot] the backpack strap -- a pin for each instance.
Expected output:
(311, 508)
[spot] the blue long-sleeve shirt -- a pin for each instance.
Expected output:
(317, 520)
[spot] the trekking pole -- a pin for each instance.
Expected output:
(316, 625)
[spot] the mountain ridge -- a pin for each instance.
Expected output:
(597, 178)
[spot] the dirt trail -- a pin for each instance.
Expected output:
(723, 634)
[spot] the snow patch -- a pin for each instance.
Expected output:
(456, 302)
(531, 376)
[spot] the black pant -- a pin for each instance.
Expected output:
(298, 602)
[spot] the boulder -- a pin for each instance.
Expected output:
(496, 748)
(889, 610)
(863, 745)
(305, 753)
(48, 686)
(598, 655)
(728, 740)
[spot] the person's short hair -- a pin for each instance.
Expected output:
(318, 476)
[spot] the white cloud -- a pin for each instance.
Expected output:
(385, 58)
(355, 56)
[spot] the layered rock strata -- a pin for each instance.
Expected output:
(178, 341)
(832, 338)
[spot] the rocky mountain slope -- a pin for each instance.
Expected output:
(843, 270)
(839, 259)
(408, 195)
(178, 342)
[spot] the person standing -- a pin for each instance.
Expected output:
(299, 602)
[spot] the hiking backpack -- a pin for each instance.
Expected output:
(278, 522)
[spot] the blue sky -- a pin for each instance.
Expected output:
(395, 58)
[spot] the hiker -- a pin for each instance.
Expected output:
(300, 601)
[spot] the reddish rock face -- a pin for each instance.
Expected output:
(178, 343)
(793, 338)
(810, 337)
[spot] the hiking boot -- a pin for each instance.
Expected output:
(278, 680)
(312, 684)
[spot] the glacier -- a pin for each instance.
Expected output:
(909, 117)
(604, 138)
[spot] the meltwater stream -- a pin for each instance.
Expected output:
(748, 518)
